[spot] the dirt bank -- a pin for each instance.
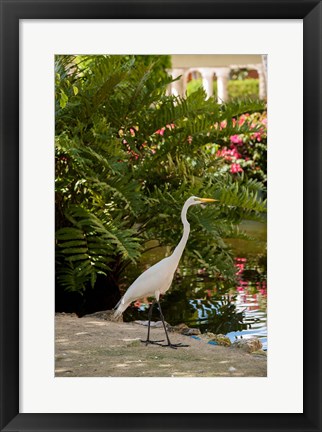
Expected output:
(89, 346)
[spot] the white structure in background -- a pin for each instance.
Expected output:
(210, 65)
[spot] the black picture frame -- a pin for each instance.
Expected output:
(11, 12)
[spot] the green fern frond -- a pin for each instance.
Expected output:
(238, 107)
(105, 234)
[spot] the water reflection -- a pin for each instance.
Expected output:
(211, 305)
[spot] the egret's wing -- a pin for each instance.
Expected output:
(155, 279)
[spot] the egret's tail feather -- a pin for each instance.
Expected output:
(121, 306)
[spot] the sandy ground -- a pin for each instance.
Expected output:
(93, 347)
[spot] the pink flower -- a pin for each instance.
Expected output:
(242, 119)
(234, 152)
(241, 259)
(160, 131)
(235, 168)
(257, 136)
(236, 139)
(228, 154)
(168, 126)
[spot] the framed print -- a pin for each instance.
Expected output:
(62, 372)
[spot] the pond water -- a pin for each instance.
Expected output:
(211, 305)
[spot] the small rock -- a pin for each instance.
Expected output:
(210, 335)
(185, 330)
(221, 340)
(179, 328)
(232, 369)
(248, 345)
(191, 332)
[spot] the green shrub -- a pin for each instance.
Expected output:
(243, 88)
(248, 88)
(196, 84)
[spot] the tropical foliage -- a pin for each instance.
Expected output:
(247, 152)
(127, 157)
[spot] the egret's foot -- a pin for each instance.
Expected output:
(175, 346)
(147, 342)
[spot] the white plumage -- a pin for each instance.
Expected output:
(154, 281)
(157, 279)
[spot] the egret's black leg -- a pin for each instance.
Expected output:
(149, 317)
(171, 345)
(147, 341)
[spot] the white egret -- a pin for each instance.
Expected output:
(156, 280)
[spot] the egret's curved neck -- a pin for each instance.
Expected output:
(186, 230)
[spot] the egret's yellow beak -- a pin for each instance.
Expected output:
(207, 200)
